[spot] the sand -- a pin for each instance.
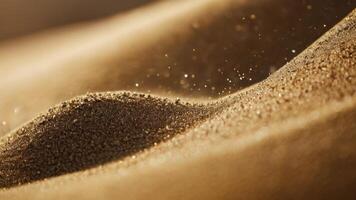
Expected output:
(215, 43)
(289, 136)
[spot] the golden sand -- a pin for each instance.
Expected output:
(289, 136)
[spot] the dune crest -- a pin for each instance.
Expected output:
(199, 48)
(91, 130)
(290, 136)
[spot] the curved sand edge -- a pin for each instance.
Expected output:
(291, 93)
(199, 37)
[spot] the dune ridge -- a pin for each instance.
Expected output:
(216, 44)
(91, 130)
(319, 84)
(290, 135)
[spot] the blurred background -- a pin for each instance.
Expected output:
(22, 17)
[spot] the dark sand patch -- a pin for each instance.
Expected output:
(91, 130)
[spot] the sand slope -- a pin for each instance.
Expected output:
(290, 136)
(218, 44)
(91, 130)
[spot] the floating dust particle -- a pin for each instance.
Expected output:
(137, 85)
(253, 16)
(4, 123)
(16, 110)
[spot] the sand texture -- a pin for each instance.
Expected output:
(203, 99)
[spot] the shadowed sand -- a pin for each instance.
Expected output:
(90, 130)
(222, 46)
(291, 136)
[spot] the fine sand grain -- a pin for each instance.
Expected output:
(199, 48)
(289, 136)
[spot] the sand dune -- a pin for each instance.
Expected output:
(215, 43)
(290, 136)
(91, 130)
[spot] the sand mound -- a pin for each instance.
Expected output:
(290, 136)
(197, 48)
(92, 130)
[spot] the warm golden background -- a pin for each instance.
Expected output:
(238, 99)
